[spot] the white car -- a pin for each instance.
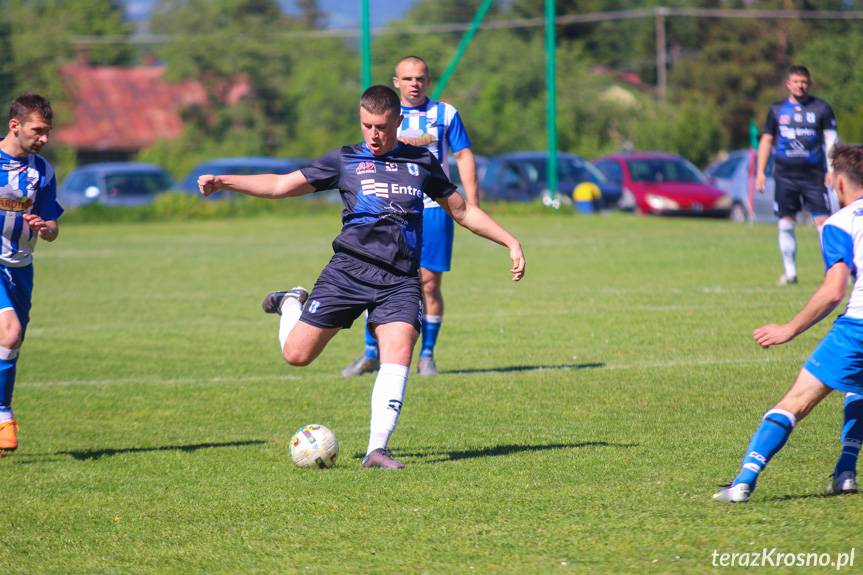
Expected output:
(731, 175)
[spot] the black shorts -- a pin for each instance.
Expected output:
(349, 286)
(792, 194)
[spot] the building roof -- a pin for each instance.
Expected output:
(121, 109)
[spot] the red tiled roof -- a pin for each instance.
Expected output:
(124, 108)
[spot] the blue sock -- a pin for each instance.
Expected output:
(431, 329)
(7, 381)
(371, 344)
(770, 437)
(852, 433)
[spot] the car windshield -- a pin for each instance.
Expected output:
(664, 170)
(568, 170)
(137, 183)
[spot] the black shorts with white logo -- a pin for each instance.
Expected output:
(792, 194)
(349, 285)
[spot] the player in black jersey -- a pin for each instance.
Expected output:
(802, 129)
(377, 253)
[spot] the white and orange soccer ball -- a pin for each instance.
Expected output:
(315, 446)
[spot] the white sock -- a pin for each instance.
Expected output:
(387, 397)
(292, 309)
(788, 247)
(6, 415)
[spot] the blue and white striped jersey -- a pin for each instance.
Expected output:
(842, 241)
(437, 127)
(27, 185)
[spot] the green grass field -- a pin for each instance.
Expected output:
(581, 422)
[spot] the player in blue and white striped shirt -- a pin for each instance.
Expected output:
(29, 210)
(437, 127)
(837, 362)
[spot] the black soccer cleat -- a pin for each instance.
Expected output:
(273, 302)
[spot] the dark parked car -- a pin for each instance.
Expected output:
(522, 177)
(731, 175)
(455, 176)
(114, 184)
(663, 184)
(241, 166)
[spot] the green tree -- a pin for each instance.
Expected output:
(37, 37)
(835, 79)
(290, 107)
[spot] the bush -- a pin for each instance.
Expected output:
(179, 206)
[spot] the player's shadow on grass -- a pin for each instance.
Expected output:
(523, 368)
(92, 454)
(780, 498)
(439, 457)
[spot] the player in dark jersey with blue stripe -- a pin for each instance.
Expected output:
(436, 126)
(802, 129)
(377, 254)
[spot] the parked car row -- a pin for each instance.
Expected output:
(523, 177)
(646, 182)
(137, 183)
(655, 183)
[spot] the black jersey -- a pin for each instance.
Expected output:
(798, 132)
(383, 199)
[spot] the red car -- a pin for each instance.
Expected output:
(663, 184)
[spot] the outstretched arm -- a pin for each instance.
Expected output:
(823, 301)
(271, 186)
(480, 223)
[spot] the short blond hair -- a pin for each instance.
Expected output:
(412, 60)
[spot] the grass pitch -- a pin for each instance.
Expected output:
(581, 422)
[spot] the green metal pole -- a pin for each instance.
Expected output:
(366, 47)
(551, 104)
(480, 14)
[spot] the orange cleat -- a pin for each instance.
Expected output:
(8, 440)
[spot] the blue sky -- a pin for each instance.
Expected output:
(340, 13)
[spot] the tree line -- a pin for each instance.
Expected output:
(722, 73)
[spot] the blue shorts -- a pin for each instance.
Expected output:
(837, 362)
(792, 194)
(438, 234)
(348, 286)
(16, 291)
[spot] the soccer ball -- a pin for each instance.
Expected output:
(314, 445)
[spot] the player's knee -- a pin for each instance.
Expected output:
(297, 358)
(11, 339)
(432, 288)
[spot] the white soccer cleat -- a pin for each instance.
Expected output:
(737, 494)
(785, 280)
(427, 366)
(845, 483)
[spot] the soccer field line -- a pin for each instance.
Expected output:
(335, 375)
(159, 381)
